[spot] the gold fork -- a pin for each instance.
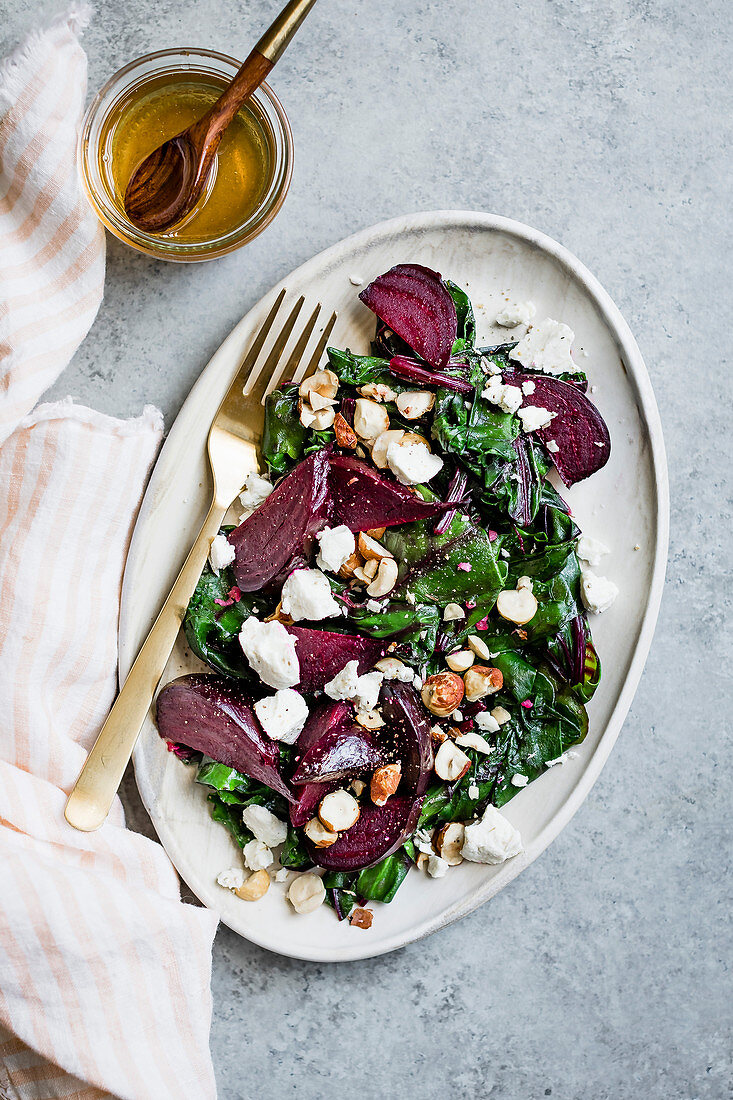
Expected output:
(232, 449)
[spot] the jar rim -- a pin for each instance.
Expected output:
(270, 114)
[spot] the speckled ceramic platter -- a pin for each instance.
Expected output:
(625, 505)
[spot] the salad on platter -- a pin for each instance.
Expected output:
(397, 630)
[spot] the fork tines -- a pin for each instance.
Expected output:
(277, 368)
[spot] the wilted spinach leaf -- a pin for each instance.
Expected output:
(212, 631)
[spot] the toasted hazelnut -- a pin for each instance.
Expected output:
(352, 563)
(460, 661)
(438, 735)
(524, 582)
(453, 612)
(381, 445)
(369, 719)
(345, 434)
(361, 918)
(501, 715)
(323, 419)
(422, 860)
(370, 548)
(358, 786)
(319, 835)
(254, 887)
(450, 762)
(377, 391)
(413, 437)
(385, 782)
(449, 841)
(338, 811)
(370, 568)
(305, 414)
(306, 893)
(393, 669)
(376, 532)
(385, 579)
(279, 616)
(323, 382)
(370, 419)
(481, 680)
(361, 576)
(442, 693)
(415, 403)
(317, 402)
(518, 605)
(479, 647)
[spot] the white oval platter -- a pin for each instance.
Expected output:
(625, 505)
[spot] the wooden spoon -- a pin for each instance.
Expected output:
(168, 183)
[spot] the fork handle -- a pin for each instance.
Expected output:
(94, 791)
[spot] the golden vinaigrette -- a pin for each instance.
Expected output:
(150, 115)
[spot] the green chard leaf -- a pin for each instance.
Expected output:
(230, 816)
(212, 631)
(284, 437)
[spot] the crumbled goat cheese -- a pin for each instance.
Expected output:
(598, 593)
(473, 790)
(591, 550)
(437, 866)
(282, 874)
(337, 544)
(474, 741)
(533, 418)
(270, 651)
(256, 489)
(515, 313)
(488, 366)
(486, 722)
(552, 446)
(221, 554)
(367, 690)
(546, 347)
(399, 671)
(347, 684)
(423, 842)
(519, 780)
(231, 879)
(257, 855)
(282, 715)
(374, 605)
(265, 826)
(493, 839)
(355, 280)
(307, 594)
(563, 759)
(412, 463)
(508, 398)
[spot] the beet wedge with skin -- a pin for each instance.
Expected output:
(416, 304)
(405, 718)
(325, 717)
(280, 532)
(342, 753)
(215, 717)
(379, 832)
(578, 429)
(323, 653)
(363, 498)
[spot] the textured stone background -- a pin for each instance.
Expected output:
(602, 972)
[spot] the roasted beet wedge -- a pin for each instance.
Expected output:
(342, 752)
(308, 797)
(378, 833)
(415, 302)
(363, 498)
(323, 653)
(405, 718)
(578, 428)
(214, 716)
(274, 537)
(327, 716)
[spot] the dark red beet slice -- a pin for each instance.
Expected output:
(363, 499)
(339, 754)
(269, 541)
(323, 653)
(578, 428)
(402, 367)
(378, 833)
(327, 715)
(308, 797)
(415, 302)
(407, 722)
(214, 716)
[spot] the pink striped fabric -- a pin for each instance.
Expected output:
(104, 973)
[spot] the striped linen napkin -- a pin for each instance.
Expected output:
(104, 973)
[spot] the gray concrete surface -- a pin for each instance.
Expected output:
(602, 973)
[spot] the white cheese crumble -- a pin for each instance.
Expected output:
(423, 842)
(412, 463)
(256, 489)
(267, 828)
(546, 347)
(474, 741)
(231, 879)
(528, 388)
(307, 595)
(515, 313)
(533, 418)
(270, 651)
(257, 855)
(493, 839)
(519, 780)
(552, 446)
(437, 866)
(508, 398)
(282, 874)
(591, 550)
(337, 544)
(221, 554)
(486, 722)
(347, 684)
(598, 593)
(282, 715)
(473, 790)
(563, 759)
